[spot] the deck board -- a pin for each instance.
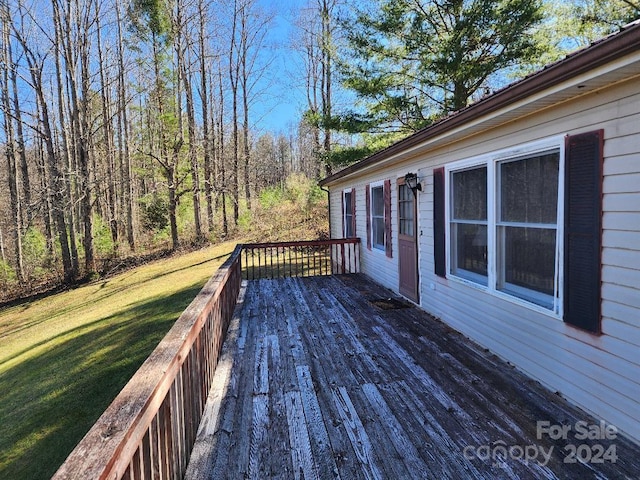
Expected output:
(315, 381)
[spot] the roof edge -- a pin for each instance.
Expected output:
(600, 53)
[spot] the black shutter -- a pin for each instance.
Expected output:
(583, 230)
(438, 223)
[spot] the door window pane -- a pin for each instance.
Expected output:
(406, 210)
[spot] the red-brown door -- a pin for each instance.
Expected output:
(407, 242)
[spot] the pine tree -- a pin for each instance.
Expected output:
(412, 61)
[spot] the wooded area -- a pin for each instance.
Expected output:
(122, 119)
(128, 124)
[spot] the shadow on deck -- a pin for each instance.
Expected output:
(317, 380)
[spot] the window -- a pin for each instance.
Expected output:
(349, 208)
(377, 217)
(469, 224)
(406, 209)
(527, 226)
(503, 223)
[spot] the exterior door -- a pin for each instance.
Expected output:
(407, 242)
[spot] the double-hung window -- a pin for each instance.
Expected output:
(526, 227)
(469, 224)
(349, 214)
(377, 217)
(503, 223)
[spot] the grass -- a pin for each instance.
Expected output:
(65, 357)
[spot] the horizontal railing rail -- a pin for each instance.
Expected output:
(301, 258)
(149, 430)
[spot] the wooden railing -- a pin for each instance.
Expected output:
(150, 428)
(300, 259)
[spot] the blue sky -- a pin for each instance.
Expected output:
(283, 100)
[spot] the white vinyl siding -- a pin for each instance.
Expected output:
(600, 373)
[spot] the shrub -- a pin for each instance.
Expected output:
(7, 274)
(270, 197)
(102, 239)
(34, 253)
(154, 212)
(303, 191)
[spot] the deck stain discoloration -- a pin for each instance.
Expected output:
(317, 382)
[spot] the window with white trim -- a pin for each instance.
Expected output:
(526, 227)
(469, 224)
(377, 216)
(505, 225)
(348, 214)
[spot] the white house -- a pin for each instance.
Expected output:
(523, 232)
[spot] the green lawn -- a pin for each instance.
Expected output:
(65, 357)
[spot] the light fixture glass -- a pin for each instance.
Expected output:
(411, 179)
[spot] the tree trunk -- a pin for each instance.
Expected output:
(56, 181)
(47, 211)
(221, 158)
(193, 154)
(76, 50)
(234, 70)
(68, 206)
(27, 215)
(86, 180)
(173, 204)
(327, 72)
(204, 99)
(123, 134)
(244, 53)
(107, 133)
(12, 171)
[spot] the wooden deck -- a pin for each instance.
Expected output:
(316, 380)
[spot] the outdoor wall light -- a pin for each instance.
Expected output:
(411, 179)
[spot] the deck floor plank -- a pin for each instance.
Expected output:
(315, 381)
(325, 367)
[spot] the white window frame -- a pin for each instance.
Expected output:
(465, 274)
(379, 248)
(491, 161)
(346, 224)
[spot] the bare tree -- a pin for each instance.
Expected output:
(124, 154)
(317, 26)
(183, 39)
(204, 102)
(56, 184)
(12, 169)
